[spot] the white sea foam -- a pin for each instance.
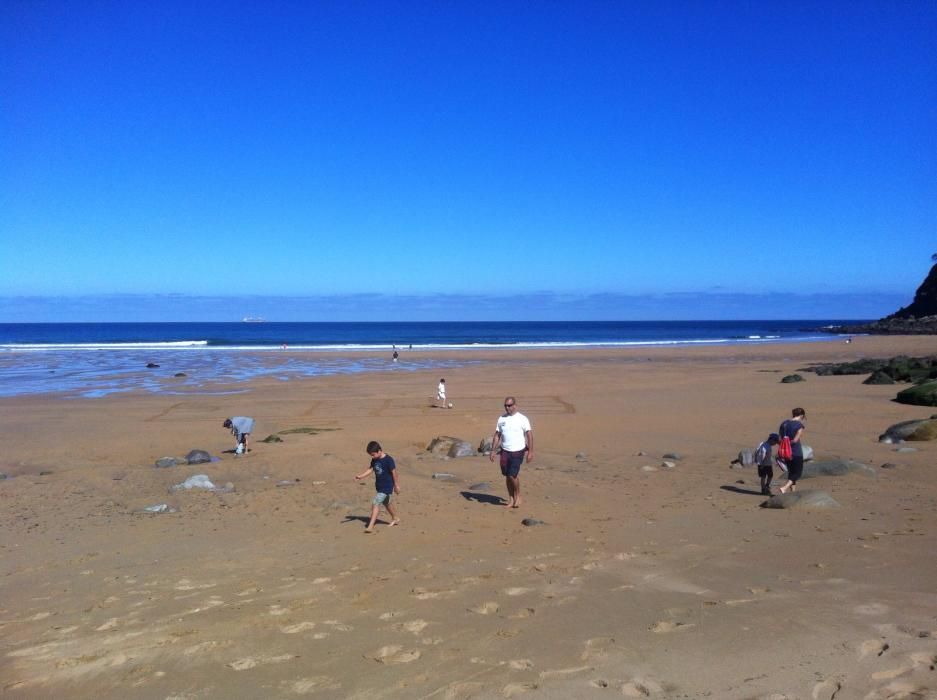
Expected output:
(168, 345)
(202, 345)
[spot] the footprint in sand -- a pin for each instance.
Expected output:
(488, 608)
(251, 662)
(555, 673)
(338, 626)
(413, 627)
(597, 648)
(205, 647)
(520, 664)
(664, 626)
(826, 690)
(512, 689)
(298, 627)
(187, 585)
(522, 613)
(425, 594)
(641, 688)
(305, 686)
(393, 654)
(517, 591)
(107, 626)
(462, 691)
(871, 609)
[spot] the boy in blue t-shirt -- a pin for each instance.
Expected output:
(385, 483)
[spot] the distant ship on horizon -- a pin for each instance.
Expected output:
(253, 319)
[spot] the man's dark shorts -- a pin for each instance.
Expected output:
(765, 471)
(511, 462)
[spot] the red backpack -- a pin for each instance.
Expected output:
(785, 452)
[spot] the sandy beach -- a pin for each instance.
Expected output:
(642, 580)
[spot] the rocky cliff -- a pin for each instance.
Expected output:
(918, 318)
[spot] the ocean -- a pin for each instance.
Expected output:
(97, 359)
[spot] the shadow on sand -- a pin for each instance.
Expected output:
(736, 489)
(483, 498)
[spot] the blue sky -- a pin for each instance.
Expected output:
(333, 161)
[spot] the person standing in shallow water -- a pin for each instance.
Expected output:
(513, 442)
(794, 429)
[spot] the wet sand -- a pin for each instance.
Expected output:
(642, 580)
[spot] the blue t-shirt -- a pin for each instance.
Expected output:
(383, 480)
(790, 428)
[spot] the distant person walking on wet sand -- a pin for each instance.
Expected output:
(241, 428)
(513, 439)
(792, 430)
(385, 483)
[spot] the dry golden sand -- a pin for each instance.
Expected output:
(670, 583)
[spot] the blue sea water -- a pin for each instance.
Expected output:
(96, 359)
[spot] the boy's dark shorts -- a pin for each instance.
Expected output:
(765, 470)
(511, 462)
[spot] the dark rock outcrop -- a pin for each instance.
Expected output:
(917, 318)
(920, 395)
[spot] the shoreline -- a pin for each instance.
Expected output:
(209, 372)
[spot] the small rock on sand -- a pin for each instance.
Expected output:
(197, 457)
(673, 455)
(530, 522)
(164, 462)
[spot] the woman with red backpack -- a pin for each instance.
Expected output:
(790, 450)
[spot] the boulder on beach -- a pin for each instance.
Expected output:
(484, 447)
(197, 457)
(923, 429)
(836, 467)
(921, 395)
(745, 458)
(791, 379)
(927, 430)
(879, 377)
(812, 500)
(164, 462)
(446, 446)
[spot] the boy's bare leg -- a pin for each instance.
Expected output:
(370, 527)
(394, 520)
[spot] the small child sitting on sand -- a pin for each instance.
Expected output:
(385, 483)
(765, 462)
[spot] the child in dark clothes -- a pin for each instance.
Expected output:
(765, 462)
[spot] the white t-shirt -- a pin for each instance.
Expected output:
(441, 391)
(512, 429)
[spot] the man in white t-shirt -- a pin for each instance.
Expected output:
(513, 439)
